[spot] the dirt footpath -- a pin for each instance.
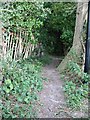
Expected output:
(52, 95)
(52, 102)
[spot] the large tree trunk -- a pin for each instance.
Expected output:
(77, 46)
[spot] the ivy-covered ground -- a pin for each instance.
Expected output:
(18, 91)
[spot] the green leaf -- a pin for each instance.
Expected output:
(19, 99)
(7, 90)
(26, 100)
(11, 86)
(8, 81)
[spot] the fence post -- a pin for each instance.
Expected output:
(87, 55)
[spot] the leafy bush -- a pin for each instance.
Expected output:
(76, 85)
(58, 29)
(22, 81)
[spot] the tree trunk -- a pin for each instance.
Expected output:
(77, 40)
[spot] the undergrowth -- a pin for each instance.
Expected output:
(76, 85)
(18, 92)
(45, 59)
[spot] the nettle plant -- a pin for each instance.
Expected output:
(76, 85)
(22, 81)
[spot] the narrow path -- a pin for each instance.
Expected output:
(52, 102)
(52, 96)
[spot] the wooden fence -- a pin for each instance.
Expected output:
(17, 45)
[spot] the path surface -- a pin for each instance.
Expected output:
(52, 102)
(52, 96)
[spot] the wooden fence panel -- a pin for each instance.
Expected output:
(18, 47)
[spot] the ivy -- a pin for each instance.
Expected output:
(22, 82)
(76, 85)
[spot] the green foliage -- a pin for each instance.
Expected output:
(67, 38)
(24, 16)
(50, 23)
(76, 85)
(8, 86)
(77, 73)
(59, 27)
(22, 81)
(45, 59)
(75, 94)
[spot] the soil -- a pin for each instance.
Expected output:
(52, 102)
